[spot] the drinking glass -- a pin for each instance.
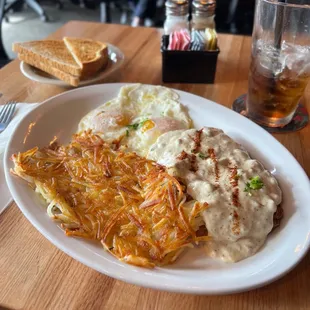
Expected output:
(280, 63)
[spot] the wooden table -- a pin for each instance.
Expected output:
(36, 275)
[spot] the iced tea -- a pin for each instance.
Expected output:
(277, 81)
(280, 65)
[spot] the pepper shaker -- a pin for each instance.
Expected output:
(203, 34)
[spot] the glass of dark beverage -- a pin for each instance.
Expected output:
(280, 64)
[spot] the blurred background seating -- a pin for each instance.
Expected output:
(25, 20)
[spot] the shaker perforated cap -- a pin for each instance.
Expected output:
(204, 7)
(176, 7)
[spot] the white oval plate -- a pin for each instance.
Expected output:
(5, 196)
(116, 59)
(193, 272)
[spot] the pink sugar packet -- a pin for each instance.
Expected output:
(179, 40)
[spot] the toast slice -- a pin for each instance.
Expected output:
(49, 54)
(91, 55)
(44, 66)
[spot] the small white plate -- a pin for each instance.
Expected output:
(5, 196)
(116, 59)
(193, 272)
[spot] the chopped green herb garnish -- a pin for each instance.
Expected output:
(254, 184)
(127, 133)
(202, 156)
(135, 126)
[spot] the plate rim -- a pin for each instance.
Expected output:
(24, 68)
(8, 197)
(141, 282)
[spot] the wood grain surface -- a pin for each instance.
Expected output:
(34, 274)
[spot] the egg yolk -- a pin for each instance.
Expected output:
(147, 125)
(106, 120)
(166, 124)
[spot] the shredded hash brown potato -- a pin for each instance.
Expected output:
(130, 204)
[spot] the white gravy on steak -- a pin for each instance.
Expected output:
(216, 169)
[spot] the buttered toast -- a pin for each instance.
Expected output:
(90, 55)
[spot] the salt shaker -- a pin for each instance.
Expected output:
(176, 16)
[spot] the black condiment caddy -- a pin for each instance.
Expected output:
(187, 66)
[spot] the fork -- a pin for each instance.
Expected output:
(6, 114)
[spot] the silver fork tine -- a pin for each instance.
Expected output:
(3, 111)
(10, 112)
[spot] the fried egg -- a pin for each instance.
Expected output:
(137, 117)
